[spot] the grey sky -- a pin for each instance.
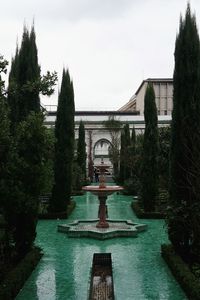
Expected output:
(109, 46)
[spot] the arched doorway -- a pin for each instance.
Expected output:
(101, 151)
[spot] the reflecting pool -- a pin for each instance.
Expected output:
(139, 271)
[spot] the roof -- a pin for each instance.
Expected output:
(129, 106)
(100, 113)
(156, 80)
(132, 100)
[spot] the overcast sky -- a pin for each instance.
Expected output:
(109, 46)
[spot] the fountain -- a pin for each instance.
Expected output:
(102, 191)
(103, 227)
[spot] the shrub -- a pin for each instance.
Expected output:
(58, 215)
(141, 214)
(16, 278)
(181, 271)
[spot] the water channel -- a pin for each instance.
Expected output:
(139, 271)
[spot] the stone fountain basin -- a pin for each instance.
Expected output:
(102, 191)
(87, 228)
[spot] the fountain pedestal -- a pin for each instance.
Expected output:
(102, 212)
(102, 193)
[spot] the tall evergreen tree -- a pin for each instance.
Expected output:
(13, 90)
(24, 182)
(28, 72)
(122, 154)
(133, 138)
(114, 127)
(90, 161)
(81, 150)
(24, 78)
(149, 174)
(5, 139)
(64, 146)
(127, 141)
(184, 213)
(5, 145)
(132, 151)
(25, 166)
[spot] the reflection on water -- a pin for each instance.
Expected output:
(139, 272)
(45, 282)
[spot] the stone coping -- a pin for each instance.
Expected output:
(87, 228)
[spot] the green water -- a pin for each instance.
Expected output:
(138, 269)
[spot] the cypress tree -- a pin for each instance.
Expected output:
(132, 151)
(81, 150)
(5, 142)
(184, 212)
(90, 161)
(113, 126)
(24, 78)
(149, 174)
(25, 181)
(13, 90)
(25, 164)
(28, 72)
(133, 139)
(64, 146)
(122, 154)
(127, 154)
(5, 138)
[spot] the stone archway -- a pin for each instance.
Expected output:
(101, 150)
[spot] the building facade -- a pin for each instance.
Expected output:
(97, 136)
(163, 88)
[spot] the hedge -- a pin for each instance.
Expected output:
(16, 278)
(59, 215)
(181, 271)
(141, 214)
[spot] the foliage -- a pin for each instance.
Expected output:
(133, 141)
(195, 268)
(132, 185)
(163, 157)
(64, 146)
(46, 215)
(141, 214)
(122, 155)
(181, 272)
(3, 69)
(5, 148)
(22, 153)
(184, 209)
(3, 66)
(90, 161)
(25, 81)
(81, 152)
(5, 145)
(138, 162)
(132, 153)
(16, 278)
(114, 127)
(125, 155)
(47, 170)
(149, 171)
(78, 178)
(24, 182)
